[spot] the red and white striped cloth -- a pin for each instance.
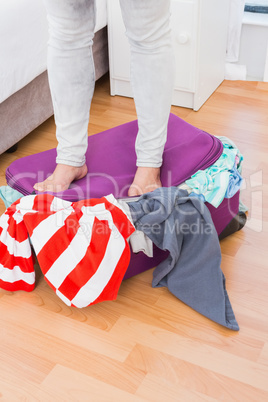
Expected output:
(81, 247)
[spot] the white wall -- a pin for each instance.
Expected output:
(254, 44)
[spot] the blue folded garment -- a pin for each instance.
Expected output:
(9, 195)
(235, 181)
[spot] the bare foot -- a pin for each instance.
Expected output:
(61, 178)
(146, 179)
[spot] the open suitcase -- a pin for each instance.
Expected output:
(111, 161)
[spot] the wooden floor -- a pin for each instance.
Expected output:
(147, 345)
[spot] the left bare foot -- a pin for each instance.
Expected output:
(146, 179)
(61, 178)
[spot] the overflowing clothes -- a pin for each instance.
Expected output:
(83, 252)
(227, 143)
(81, 247)
(213, 182)
(183, 226)
(222, 179)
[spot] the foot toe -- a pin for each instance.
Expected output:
(38, 187)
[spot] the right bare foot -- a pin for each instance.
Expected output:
(146, 179)
(61, 178)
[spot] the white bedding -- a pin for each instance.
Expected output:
(23, 42)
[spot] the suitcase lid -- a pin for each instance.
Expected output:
(111, 161)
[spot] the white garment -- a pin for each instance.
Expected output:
(184, 186)
(71, 74)
(138, 240)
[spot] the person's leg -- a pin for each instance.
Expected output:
(152, 77)
(72, 79)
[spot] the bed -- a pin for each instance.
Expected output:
(25, 100)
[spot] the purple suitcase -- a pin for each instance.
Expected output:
(111, 162)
